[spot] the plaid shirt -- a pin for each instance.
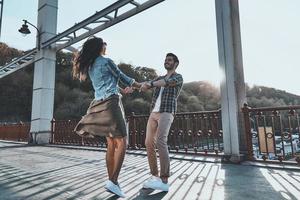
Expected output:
(170, 93)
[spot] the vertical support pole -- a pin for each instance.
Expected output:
(44, 74)
(233, 94)
(1, 14)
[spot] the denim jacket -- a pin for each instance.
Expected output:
(105, 76)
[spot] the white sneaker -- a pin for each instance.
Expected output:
(151, 179)
(111, 187)
(156, 183)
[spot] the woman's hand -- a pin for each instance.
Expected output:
(128, 90)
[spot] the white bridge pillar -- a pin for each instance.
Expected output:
(44, 75)
(233, 94)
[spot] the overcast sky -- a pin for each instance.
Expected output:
(270, 37)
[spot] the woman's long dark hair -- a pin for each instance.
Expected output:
(86, 57)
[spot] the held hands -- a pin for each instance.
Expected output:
(142, 87)
(145, 86)
(128, 90)
(134, 86)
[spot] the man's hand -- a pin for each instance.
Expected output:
(145, 86)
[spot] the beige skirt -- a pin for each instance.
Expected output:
(103, 118)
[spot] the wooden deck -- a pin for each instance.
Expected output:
(47, 172)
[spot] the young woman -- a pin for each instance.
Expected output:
(105, 115)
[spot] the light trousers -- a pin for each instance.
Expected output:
(158, 127)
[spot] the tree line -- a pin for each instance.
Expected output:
(72, 97)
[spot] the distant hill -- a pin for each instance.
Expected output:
(7, 53)
(260, 96)
(73, 98)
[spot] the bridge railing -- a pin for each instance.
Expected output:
(198, 132)
(273, 133)
(62, 133)
(15, 131)
(194, 132)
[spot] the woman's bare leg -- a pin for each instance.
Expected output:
(119, 154)
(110, 157)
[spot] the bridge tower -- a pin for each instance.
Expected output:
(233, 93)
(44, 74)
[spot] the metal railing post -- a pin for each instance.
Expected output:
(52, 138)
(246, 113)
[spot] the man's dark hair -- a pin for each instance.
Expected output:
(175, 58)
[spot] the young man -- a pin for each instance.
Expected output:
(163, 108)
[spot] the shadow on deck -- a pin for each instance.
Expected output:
(49, 172)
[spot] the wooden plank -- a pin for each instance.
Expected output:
(197, 187)
(185, 190)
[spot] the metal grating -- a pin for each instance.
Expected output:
(109, 16)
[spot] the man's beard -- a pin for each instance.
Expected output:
(169, 67)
